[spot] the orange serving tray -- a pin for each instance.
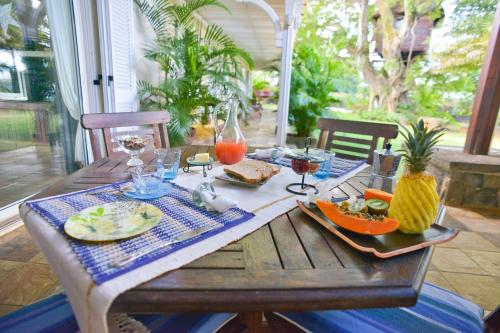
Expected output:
(388, 245)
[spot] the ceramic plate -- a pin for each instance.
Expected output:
(113, 221)
(131, 192)
(233, 180)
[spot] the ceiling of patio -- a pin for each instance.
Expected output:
(250, 27)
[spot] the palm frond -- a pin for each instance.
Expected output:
(183, 14)
(157, 13)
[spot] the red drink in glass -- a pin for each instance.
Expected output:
(228, 152)
(300, 166)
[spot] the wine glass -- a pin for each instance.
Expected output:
(300, 165)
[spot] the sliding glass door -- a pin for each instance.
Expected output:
(39, 97)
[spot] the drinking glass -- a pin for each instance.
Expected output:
(147, 179)
(168, 159)
(325, 167)
(277, 154)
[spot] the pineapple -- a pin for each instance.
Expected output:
(415, 199)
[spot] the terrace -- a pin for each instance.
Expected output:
(281, 66)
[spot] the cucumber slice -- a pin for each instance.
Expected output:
(358, 206)
(377, 206)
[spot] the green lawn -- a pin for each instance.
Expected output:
(6, 145)
(18, 127)
(454, 136)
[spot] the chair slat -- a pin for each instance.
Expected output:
(94, 142)
(352, 140)
(330, 128)
(347, 156)
(142, 131)
(351, 148)
(123, 119)
(106, 121)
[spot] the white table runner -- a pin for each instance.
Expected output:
(90, 303)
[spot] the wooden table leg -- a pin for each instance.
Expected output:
(252, 320)
(280, 325)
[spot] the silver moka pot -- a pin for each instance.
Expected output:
(385, 165)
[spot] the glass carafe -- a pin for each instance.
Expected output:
(230, 145)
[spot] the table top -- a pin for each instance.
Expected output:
(292, 263)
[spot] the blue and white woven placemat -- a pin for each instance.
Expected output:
(340, 166)
(180, 215)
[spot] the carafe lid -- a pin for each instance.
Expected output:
(386, 151)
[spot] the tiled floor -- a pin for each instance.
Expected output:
(28, 170)
(468, 265)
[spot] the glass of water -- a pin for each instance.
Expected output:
(325, 168)
(168, 159)
(147, 179)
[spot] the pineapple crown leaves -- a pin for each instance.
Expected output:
(418, 144)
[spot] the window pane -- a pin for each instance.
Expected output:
(37, 134)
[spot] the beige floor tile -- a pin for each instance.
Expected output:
(18, 247)
(462, 212)
(467, 240)
(437, 278)
(454, 260)
(13, 234)
(7, 267)
(483, 290)
(481, 224)
(489, 261)
(451, 222)
(5, 309)
(39, 259)
(493, 238)
(26, 284)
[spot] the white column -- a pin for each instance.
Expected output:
(285, 72)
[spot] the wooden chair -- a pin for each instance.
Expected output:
(335, 133)
(98, 123)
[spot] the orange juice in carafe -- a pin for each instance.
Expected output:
(230, 152)
(230, 145)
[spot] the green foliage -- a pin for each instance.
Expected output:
(380, 115)
(202, 66)
(447, 85)
(418, 144)
(311, 87)
(441, 83)
(472, 18)
(327, 28)
(260, 84)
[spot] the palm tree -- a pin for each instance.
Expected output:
(202, 65)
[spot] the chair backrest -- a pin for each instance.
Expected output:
(340, 135)
(104, 122)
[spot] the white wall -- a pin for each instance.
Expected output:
(144, 35)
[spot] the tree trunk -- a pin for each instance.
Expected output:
(391, 86)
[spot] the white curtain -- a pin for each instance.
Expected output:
(60, 17)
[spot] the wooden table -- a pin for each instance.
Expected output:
(291, 264)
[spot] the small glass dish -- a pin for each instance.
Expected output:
(133, 145)
(147, 180)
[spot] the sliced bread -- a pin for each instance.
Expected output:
(252, 171)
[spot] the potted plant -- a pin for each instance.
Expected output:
(312, 84)
(202, 66)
